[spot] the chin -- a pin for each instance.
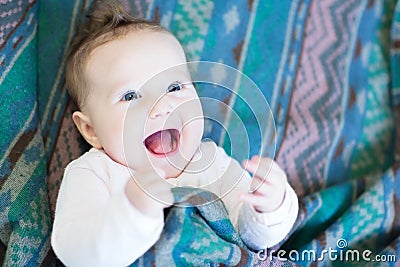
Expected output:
(172, 165)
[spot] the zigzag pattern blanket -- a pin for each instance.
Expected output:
(201, 235)
(328, 68)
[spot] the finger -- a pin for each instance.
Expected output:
(273, 180)
(256, 184)
(261, 186)
(260, 180)
(264, 168)
(258, 166)
(262, 203)
(257, 201)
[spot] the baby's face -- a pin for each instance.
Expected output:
(145, 114)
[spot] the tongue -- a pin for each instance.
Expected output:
(160, 142)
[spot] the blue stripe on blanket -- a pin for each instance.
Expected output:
(200, 235)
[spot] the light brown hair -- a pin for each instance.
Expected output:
(106, 21)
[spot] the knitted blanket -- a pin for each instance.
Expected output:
(329, 70)
(201, 235)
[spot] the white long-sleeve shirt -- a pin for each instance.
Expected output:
(96, 225)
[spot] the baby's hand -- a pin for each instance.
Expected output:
(149, 193)
(268, 184)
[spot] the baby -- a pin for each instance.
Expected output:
(140, 112)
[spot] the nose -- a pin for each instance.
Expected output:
(161, 108)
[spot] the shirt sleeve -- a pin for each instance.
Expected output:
(96, 225)
(257, 230)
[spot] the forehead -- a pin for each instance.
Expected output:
(133, 58)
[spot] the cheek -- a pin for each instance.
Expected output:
(109, 130)
(132, 138)
(113, 124)
(193, 131)
(193, 118)
(112, 139)
(190, 107)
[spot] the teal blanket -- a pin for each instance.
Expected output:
(201, 235)
(329, 70)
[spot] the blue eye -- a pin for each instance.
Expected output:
(175, 86)
(131, 96)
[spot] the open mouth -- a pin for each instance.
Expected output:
(163, 143)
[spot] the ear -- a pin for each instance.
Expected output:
(85, 127)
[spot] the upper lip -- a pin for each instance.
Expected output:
(170, 123)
